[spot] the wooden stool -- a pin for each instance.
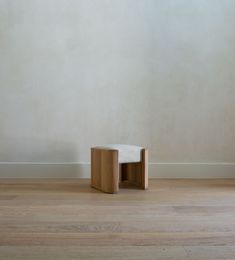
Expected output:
(114, 164)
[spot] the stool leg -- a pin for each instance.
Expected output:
(105, 170)
(136, 173)
(144, 169)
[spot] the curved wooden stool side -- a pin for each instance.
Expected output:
(104, 170)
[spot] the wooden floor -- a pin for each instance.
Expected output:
(66, 219)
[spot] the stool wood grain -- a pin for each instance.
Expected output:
(107, 173)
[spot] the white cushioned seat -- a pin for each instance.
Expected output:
(126, 153)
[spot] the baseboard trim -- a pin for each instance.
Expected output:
(82, 170)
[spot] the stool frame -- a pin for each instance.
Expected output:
(107, 173)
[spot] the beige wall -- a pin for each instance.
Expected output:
(75, 73)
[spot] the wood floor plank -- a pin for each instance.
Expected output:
(118, 239)
(67, 219)
(93, 252)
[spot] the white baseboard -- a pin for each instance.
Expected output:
(82, 170)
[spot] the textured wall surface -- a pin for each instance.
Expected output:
(77, 73)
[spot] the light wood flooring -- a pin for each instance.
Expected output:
(66, 219)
